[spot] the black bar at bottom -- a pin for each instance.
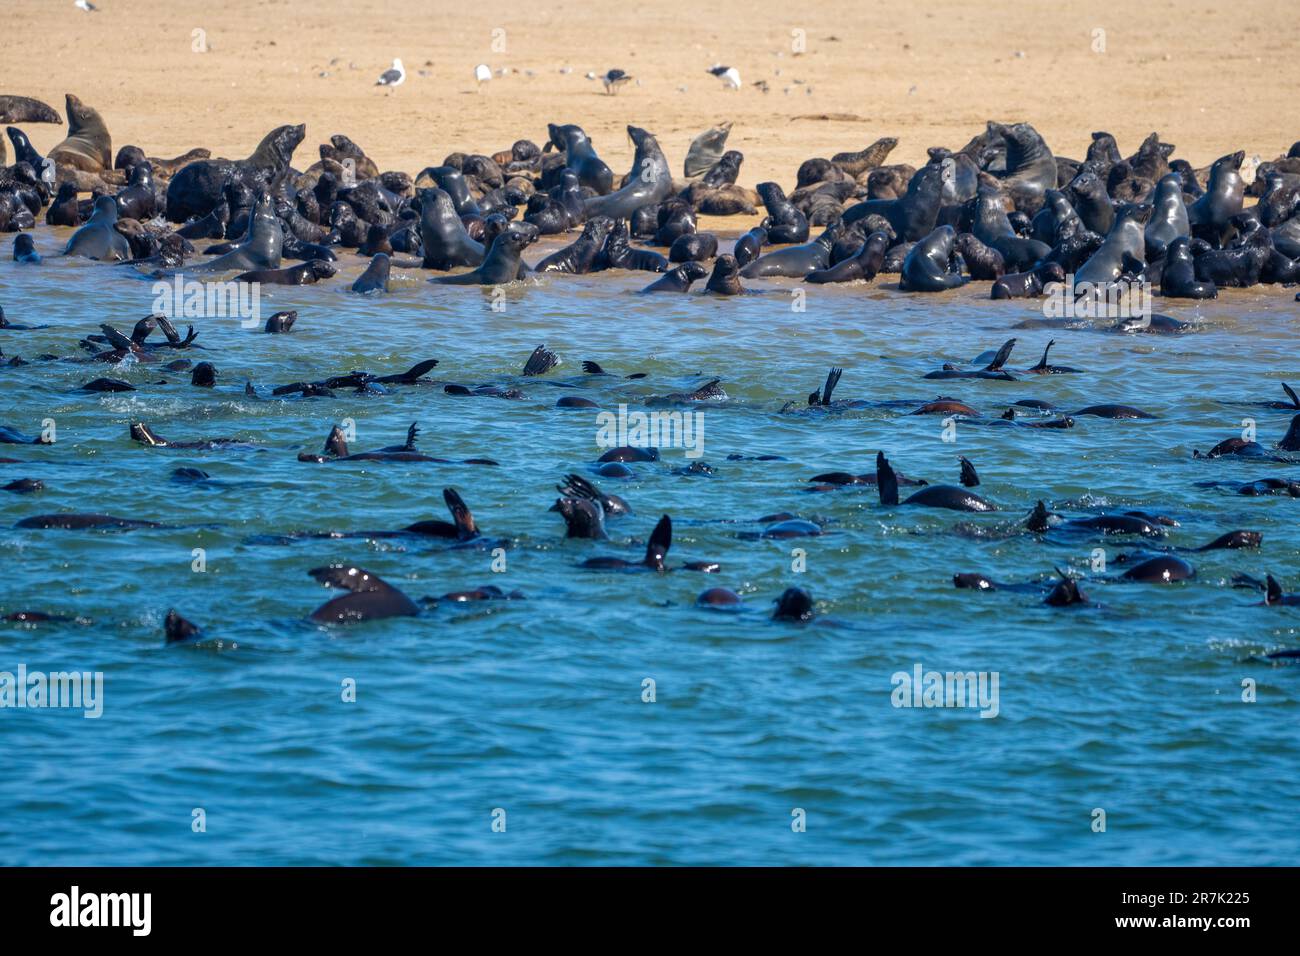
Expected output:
(211, 905)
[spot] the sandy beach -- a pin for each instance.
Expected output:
(1208, 78)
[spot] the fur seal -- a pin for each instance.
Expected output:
(98, 238)
(796, 261)
(24, 109)
(305, 273)
(446, 243)
(794, 604)
(693, 248)
(677, 280)
(661, 540)
(1178, 277)
(197, 187)
(1030, 167)
(1223, 198)
(1125, 239)
(24, 250)
(259, 249)
(864, 265)
(926, 268)
(88, 146)
(580, 156)
(725, 279)
(931, 496)
(73, 521)
(502, 263)
(1169, 219)
(368, 597)
(749, 245)
(650, 181)
(915, 214)
(375, 278)
(619, 253)
(784, 222)
(706, 150)
(580, 257)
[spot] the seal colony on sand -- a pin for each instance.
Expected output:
(1003, 209)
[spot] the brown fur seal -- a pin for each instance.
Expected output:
(88, 146)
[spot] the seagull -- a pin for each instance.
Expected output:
(613, 80)
(482, 74)
(729, 75)
(395, 76)
(85, 5)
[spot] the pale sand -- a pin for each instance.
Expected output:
(1210, 78)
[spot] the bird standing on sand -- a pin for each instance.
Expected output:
(613, 80)
(482, 74)
(729, 75)
(85, 5)
(394, 76)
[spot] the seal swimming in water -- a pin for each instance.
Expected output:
(649, 183)
(725, 279)
(368, 597)
(661, 540)
(926, 267)
(98, 238)
(794, 604)
(375, 278)
(305, 273)
(88, 146)
(931, 496)
(677, 280)
(503, 262)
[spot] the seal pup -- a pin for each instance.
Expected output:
(88, 147)
(368, 597)
(98, 238)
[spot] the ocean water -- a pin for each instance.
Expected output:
(531, 712)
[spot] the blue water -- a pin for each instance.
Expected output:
(1132, 704)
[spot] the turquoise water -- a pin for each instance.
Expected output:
(1132, 704)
